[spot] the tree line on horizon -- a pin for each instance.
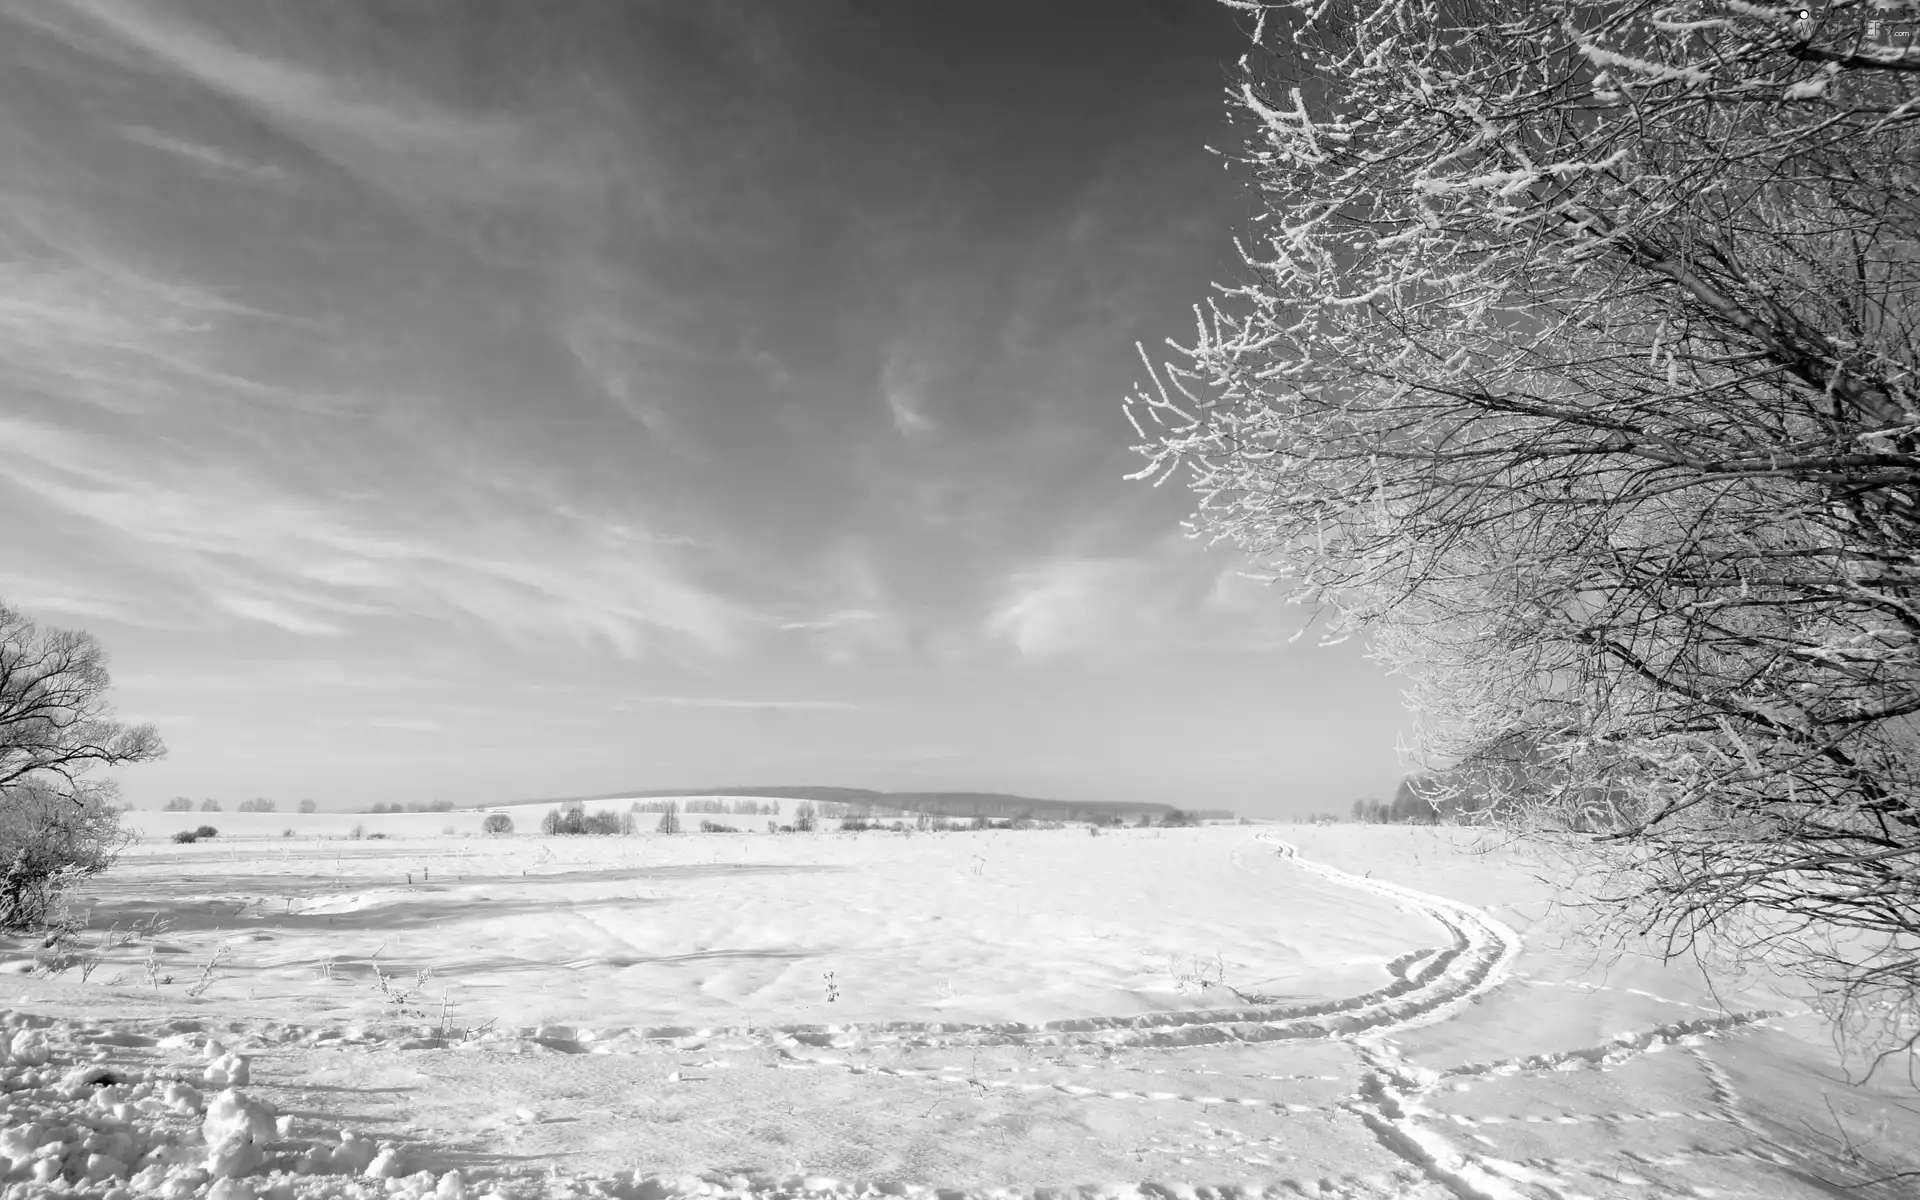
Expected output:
(837, 802)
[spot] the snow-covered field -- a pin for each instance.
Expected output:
(1320, 1011)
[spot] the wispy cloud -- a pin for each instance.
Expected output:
(400, 140)
(399, 724)
(1069, 605)
(255, 677)
(1119, 605)
(624, 361)
(855, 614)
(228, 539)
(204, 155)
(903, 385)
(632, 702)
(81, 326)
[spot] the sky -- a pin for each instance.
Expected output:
(483, 400)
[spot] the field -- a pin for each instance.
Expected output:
(1332, 1011)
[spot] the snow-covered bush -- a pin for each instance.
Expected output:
(49, 841)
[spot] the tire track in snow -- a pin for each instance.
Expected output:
(1440, 983)
(1622, 1047)
(1411, 1080)
(1428, 985)
(1392, 1090)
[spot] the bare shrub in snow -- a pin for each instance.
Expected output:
(497, 823)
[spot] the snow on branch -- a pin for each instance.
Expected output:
(1574, 371)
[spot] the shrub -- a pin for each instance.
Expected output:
(376, 837)
(357, 832)
(855, 825)
(497, 823)
(186, 836)
(209, 805)
(307, 806)
(178, 804)
(286, 833)
(572, 820)
(51, 841)
(716, 827)
(207, 831)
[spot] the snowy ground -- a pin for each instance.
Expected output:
(1336, 1011)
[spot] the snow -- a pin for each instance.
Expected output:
(1261, 1011)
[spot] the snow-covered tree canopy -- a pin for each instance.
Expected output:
(1573, 364)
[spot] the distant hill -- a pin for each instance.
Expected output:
(939, 804)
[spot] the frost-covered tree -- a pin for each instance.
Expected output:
(57, 825)
(1572, 364)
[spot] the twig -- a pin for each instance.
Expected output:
(206, 973)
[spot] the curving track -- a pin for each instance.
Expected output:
(1427, 985)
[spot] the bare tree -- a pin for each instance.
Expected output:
(55, 724)
(1573, 366)
(56, 825)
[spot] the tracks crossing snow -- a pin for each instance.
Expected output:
(1427, 985)
(1390, 1097)
(1430, 985)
